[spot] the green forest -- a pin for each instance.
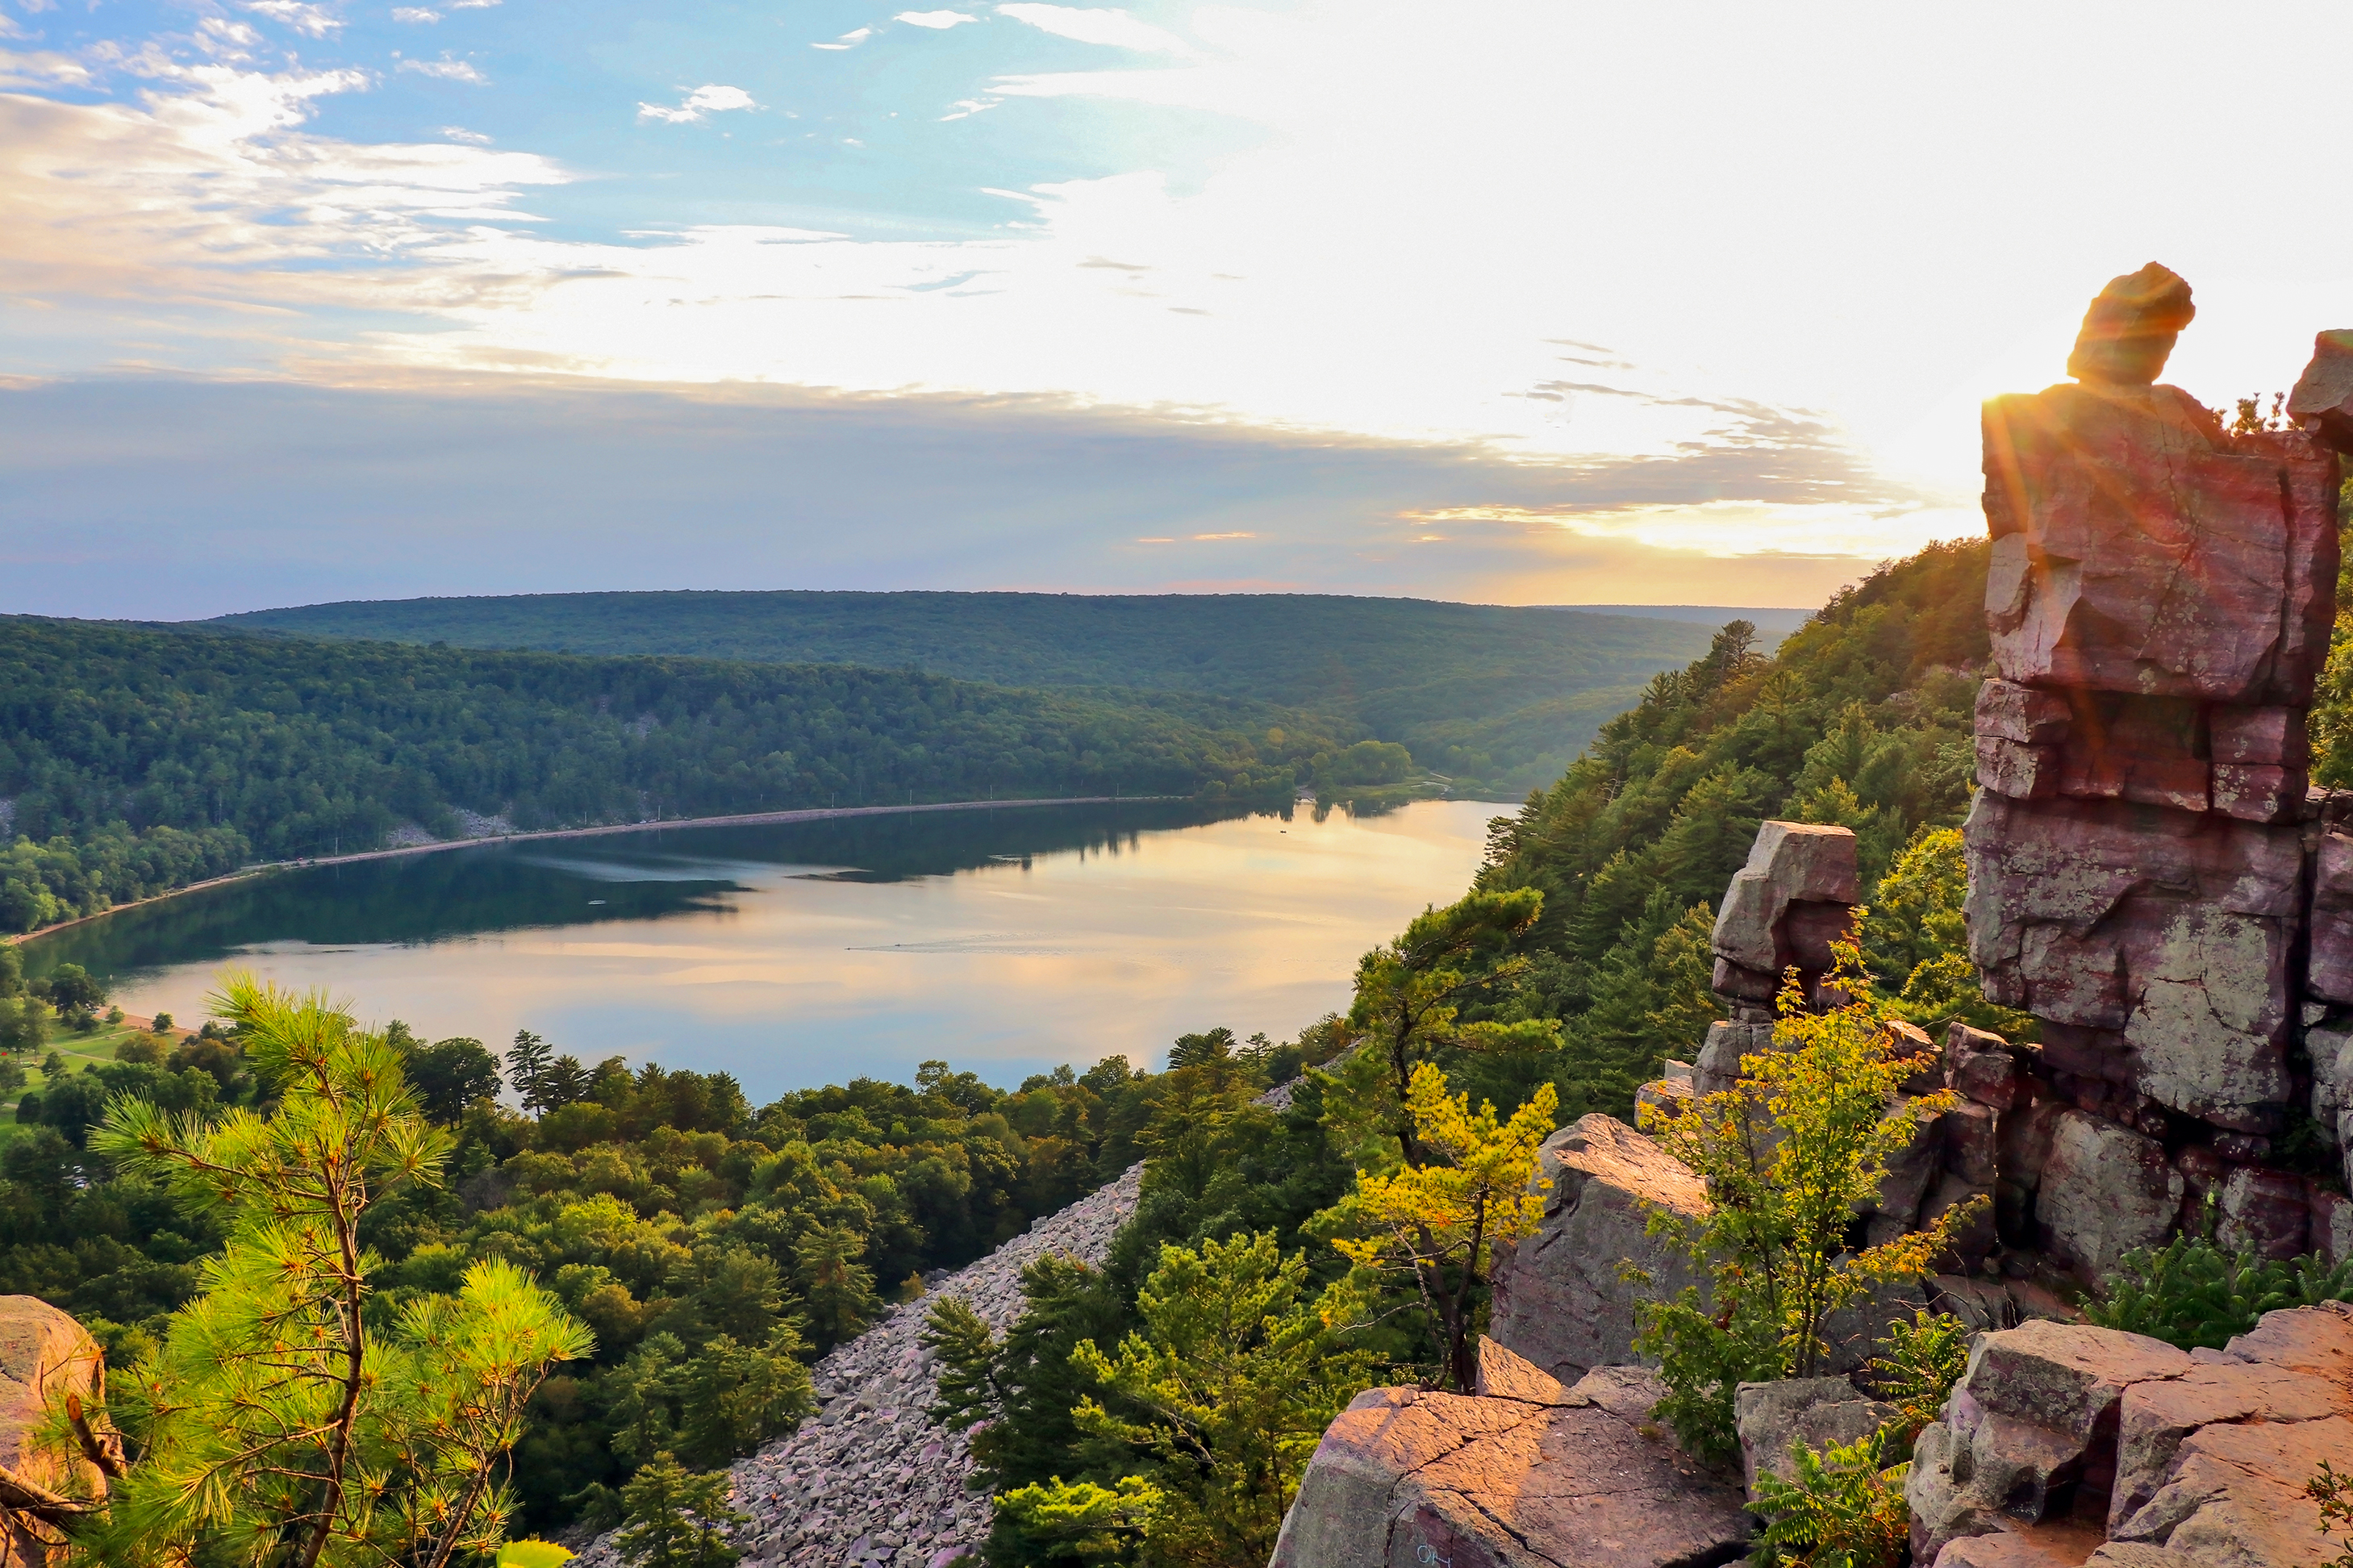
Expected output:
(1499, 698)
(133, 760)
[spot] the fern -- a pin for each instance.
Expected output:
(1844, 1510)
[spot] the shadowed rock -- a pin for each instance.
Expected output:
(2128, 333)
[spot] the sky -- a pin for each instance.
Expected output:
(307, 300)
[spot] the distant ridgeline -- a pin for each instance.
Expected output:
(133, 760)
(1498, 699)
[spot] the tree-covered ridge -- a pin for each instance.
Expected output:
(1862, 717)
(1501, 695)
(133, 759)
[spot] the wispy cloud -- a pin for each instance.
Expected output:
(414, 13)
(310, 21)
(470, 137)
(447, 68)
(699, 105)
(1092, 26)
(847, 40)
(937, 20)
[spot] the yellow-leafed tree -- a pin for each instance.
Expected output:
(1440, 1221)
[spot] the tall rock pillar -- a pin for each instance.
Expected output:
(2161, 598)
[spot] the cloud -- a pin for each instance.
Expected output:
(210, 194)
(939, 21)
(414, 13)
(310, 21)
(41, 68)
(470, 137)
(847, 40)
(447, 69)
(1089, 25)
(703, 101)
(174, 498)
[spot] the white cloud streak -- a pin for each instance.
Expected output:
(310, 21)
(847, 40)
(1083, 24)
(447, 68)
(699, 105)
(938, 21)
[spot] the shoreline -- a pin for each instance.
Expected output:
(738, 819)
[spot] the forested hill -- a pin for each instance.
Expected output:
(1500, 698)
(1862, 717)
(134, 760)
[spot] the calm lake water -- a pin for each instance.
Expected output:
(1005, 942)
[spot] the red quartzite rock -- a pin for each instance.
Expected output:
(1535, 1476)
(2171, 932)
(1791, 862)
(2322, 399)
(2105, 1191)
(1559, 1298)
(2129, 330)
(2137, 549)
(2059, 1435)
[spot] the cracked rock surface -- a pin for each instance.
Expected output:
(1529, 1475)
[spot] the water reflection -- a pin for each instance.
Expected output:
(1005, 940)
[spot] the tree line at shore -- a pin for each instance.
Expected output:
(135, 760)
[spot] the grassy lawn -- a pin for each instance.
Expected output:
(79, 1051)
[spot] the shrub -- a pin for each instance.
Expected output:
(1788, 1156)
(2193, 1295)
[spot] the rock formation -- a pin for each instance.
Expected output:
(1530, 1474)
(2061, 1437)
(1559, 1298)
(2147, 868)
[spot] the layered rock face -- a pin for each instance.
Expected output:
(1782, 910)
(2147, 868)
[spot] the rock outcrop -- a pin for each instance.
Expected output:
(2149, 874)
(2065, 1436)
(1561, 1298)
(44, 1356)
(1533, 1475)
(1782, 910)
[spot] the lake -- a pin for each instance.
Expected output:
(1004, 941)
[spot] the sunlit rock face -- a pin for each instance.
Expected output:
(2151, 874)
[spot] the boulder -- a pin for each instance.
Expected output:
(1815, 1412)
(2329, 971)
(2155, 1417)
(1783, 906)
(2129, 329)
(1982, 1068)
(1559, 1298)
(2332, 1227)
(2267, 1213)
(2106, 1190)
(44, 1356)
(1406, 1478)
(2031, 1423)
(2234, 1494)
(2322, 401)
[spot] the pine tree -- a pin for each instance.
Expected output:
(279, 1424)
